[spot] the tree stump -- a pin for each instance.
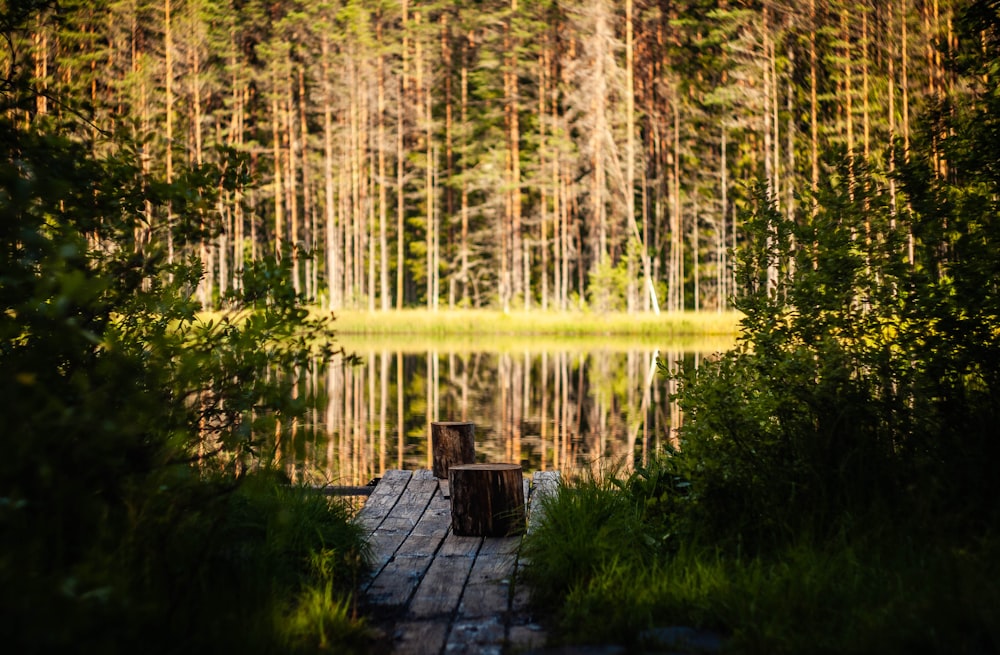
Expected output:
(487, 500)
(452, 443)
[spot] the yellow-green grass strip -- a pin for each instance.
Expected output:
(538, 323)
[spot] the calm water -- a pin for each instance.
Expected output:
(547, 405)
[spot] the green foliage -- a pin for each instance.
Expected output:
(833, 489)
(128, 519)
(608, 287)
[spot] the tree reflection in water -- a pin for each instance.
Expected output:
(544, 407)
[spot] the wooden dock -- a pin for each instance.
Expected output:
(437, 592)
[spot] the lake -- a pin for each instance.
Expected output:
(542, 402)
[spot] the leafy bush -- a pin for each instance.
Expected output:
(131, 515)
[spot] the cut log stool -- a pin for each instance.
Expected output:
(452, 443)
(487, 500)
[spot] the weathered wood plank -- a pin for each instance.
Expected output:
(458, 546)
(394, 585)
(426, 536)
(419, 637)
(408, 511)
(441, 588)
(479, 636)
(545, 484)
(413, 500)
(436, 518)
(524, 638)
(487, 592)
(383, 498)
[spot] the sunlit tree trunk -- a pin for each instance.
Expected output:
(332, 254)
(168, 76)
(383, 181)
(279, 227)
(542, 189)
(292, 177)
(465, 210)
(308, 211)
(400, 161)
(813, 102)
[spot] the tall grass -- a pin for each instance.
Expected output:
(607, 569)
(483, 321)
(203, 566)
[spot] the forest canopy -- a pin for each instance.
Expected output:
(512, 154)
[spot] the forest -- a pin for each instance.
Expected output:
(517, 154)
(829, 170)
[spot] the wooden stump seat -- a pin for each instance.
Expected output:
(452, 443)
(487, 500)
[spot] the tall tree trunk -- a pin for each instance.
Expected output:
(848, 94)
(892, 116)
(630, 153)
(168, 47)
(813, 103)
(676, 229)
(292, 186)
(333, 281)
(383, 199)
(543, 191)
(447, 201)
(400, 196)
(279, 227)
(423, 103)
(466, 131)
(519, 259)
(308, 211)
(400, 162)
(724, 193)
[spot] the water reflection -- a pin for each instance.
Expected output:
(546, 406)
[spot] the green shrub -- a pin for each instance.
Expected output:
(131, 515)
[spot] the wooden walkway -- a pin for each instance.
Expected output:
(438, 592)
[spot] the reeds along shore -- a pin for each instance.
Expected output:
(557, 324)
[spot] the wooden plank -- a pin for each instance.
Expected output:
(441, 588)
(458, 546)
(342, 490)
(426, 536)
(415, 497)
(487, 592)
(419, 637)
(520, 601)
(524, 638)
(420, 545)
(545, 484)
(394, 585)
(383, 498)
(436, 518)
(500, 546)
(480, 636)
(383, 548)
(393, 530)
